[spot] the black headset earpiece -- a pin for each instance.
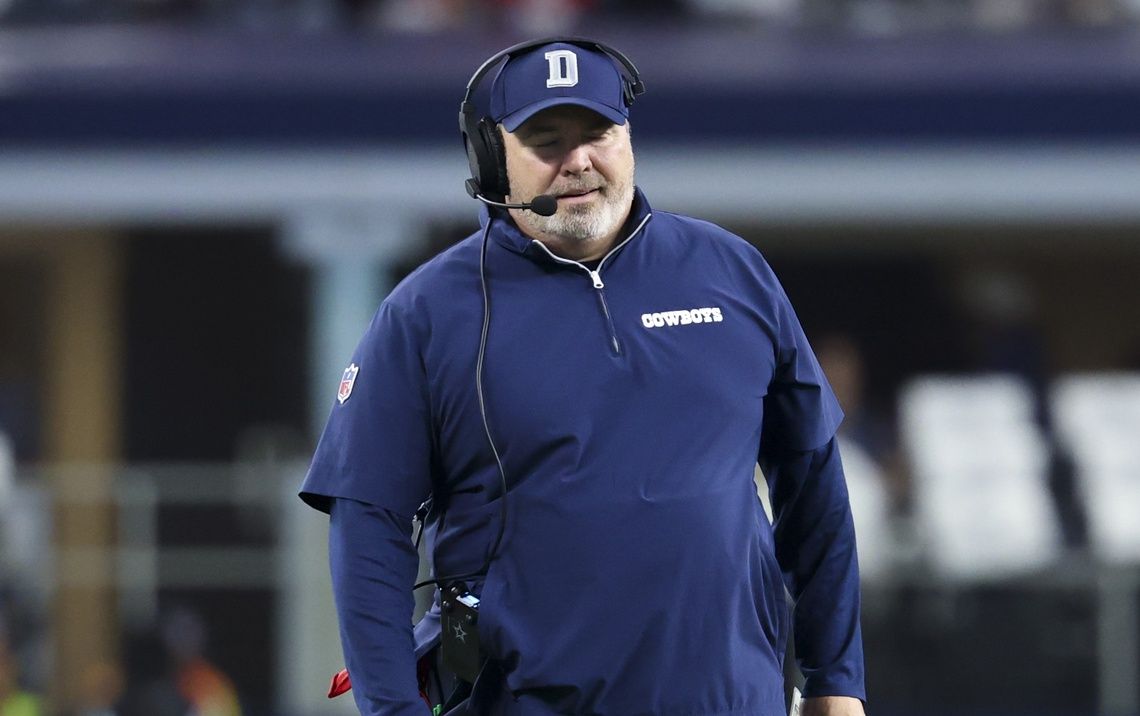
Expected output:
(480, 134)
(496, 157)
(485, 157)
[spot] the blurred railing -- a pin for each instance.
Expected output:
(233, 542)
(184, 536)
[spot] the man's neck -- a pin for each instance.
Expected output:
(583, 251)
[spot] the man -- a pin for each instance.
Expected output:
(620, 371)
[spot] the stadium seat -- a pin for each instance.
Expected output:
(1098, 419)
(982, 506)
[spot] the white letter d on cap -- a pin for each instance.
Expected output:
(562, 74)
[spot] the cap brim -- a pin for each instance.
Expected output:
(512, 121)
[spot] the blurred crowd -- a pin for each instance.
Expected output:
(163, 672)
(162, 668)
(873, 17)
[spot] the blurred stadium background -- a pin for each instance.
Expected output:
(202, 202)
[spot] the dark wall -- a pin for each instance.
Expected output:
(216, 325)
(22, 310)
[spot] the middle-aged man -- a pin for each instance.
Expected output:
(585, 396)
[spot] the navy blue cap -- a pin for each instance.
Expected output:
(554, 74)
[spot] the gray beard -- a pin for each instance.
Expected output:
(582, 224)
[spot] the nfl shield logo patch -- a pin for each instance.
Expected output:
(346, 382)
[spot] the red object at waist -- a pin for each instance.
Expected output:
(341, 682)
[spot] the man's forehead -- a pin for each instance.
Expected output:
(561, 116)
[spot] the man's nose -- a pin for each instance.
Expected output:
(577, 159)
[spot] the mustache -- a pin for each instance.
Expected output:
(564, 189)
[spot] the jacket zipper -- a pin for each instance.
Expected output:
(596, 276)
(606, 312)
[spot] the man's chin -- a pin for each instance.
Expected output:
(577, 237)
(577, 209)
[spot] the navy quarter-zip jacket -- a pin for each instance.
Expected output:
(630, 404)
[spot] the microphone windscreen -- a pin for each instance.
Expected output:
(544, 205)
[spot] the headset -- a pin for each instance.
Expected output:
(480, 134)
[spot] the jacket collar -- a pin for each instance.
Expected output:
(507, 233)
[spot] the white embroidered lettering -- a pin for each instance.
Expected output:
(687, 317)
(563, 68)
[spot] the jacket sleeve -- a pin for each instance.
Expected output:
(377, 446)
(373, 566)
(814, 533)
(815, 546)
(371, 469)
